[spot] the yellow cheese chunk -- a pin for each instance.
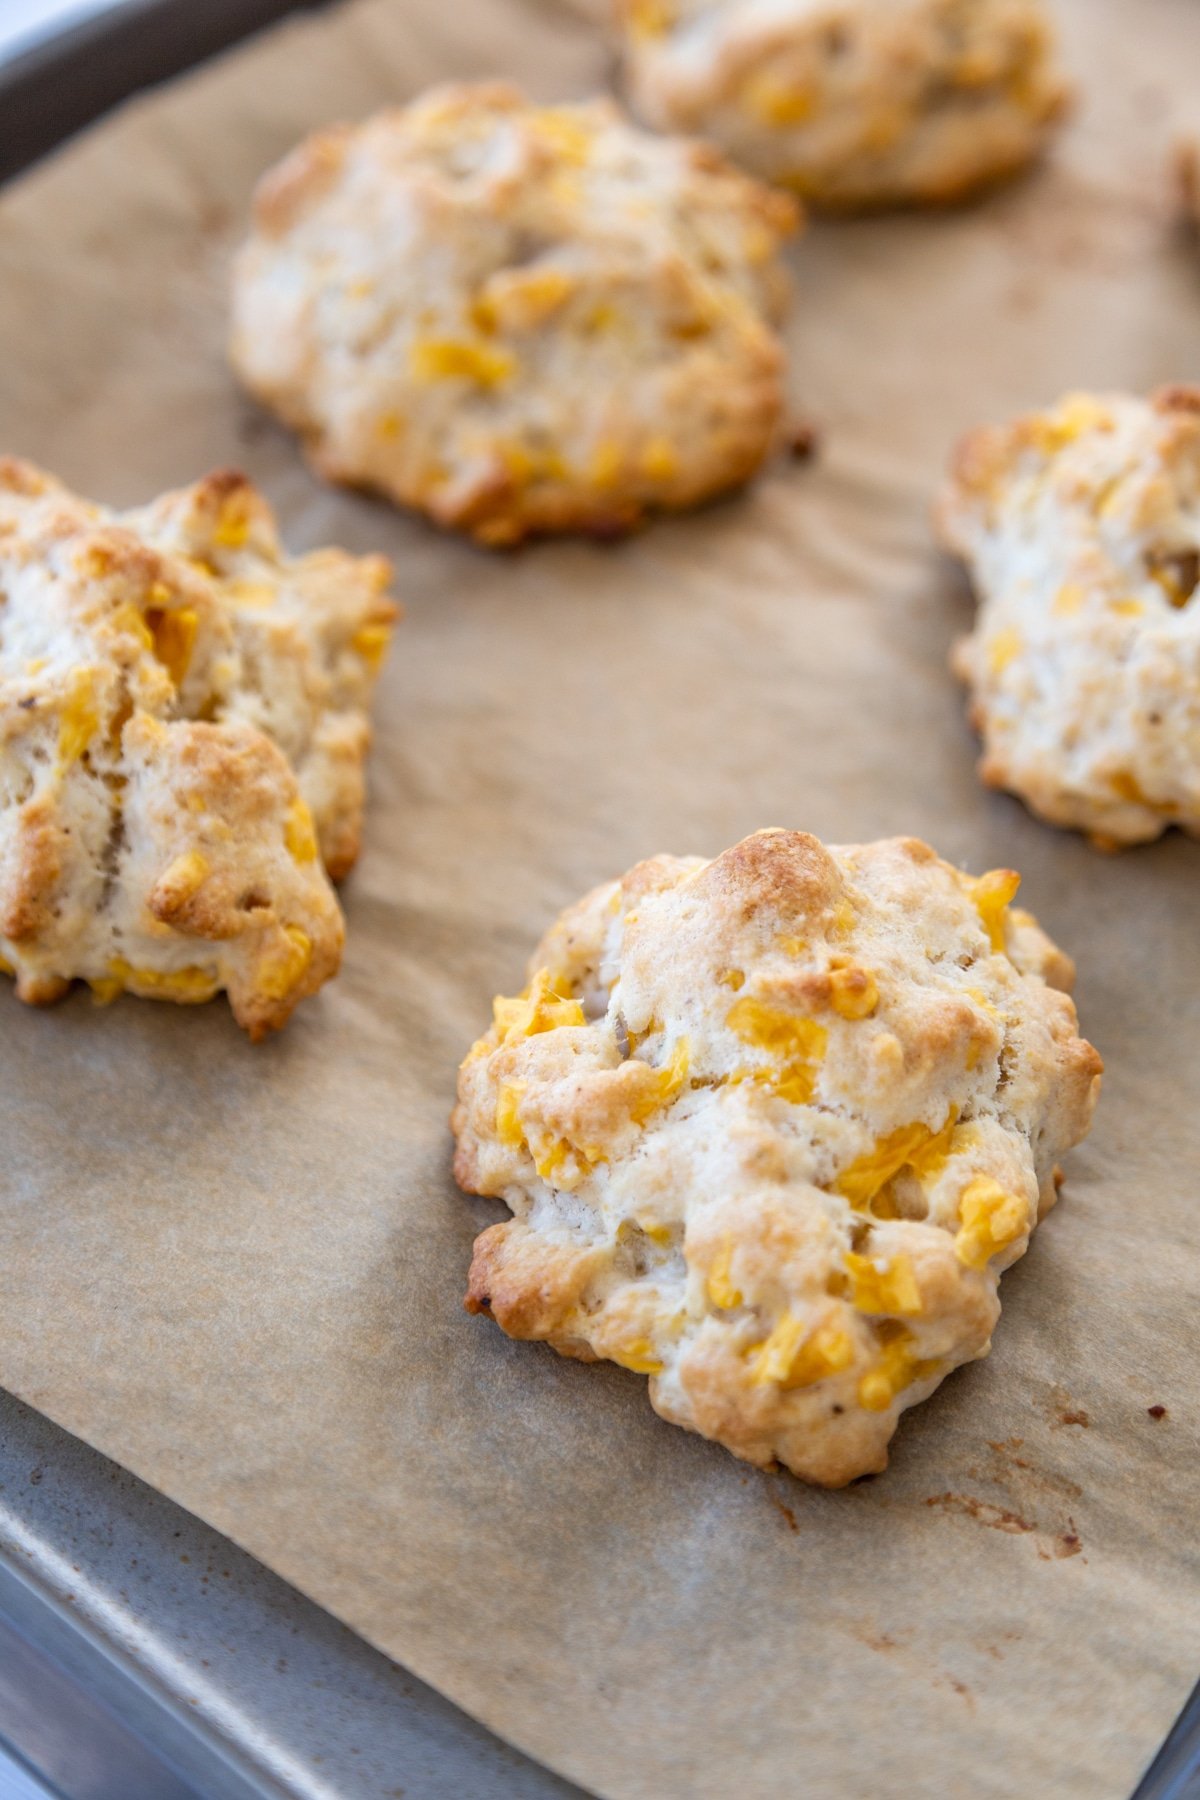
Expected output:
(508, 1122)
(658, 1234)
(538, 1009)
(174, 637)
(80, 719)
(565, 130)
(299, 833)
(522, 299)
(1002, 650)
(650, 18)
(896, 1370)
(251, 593)
(912, 1146)
(185, 876)
(992, 894)
(721, 1289)
(639, 1356)
(233, 525)
(1069, 600)
(793, 1356)
(796, 1042)
(1078, 414)
(285, 965)
(606, 463)
(190, 985)
(550, 1160)
(371, 642)
(664, 1084)
(853, 993)
(659, 460)
(991, 1219)
(777, 102)
(888, 1287)
(444, 359)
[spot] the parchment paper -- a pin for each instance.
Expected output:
(239, 1271)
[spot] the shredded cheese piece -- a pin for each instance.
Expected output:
(183, 877)
(371, 642)
(794, 1357)
(284, 966)
(721, 1289)
(443, 359)
(233, 526)
(664, 1084)
(993, 894)
(658, 459)
(777, 102)
(991, 1220)
(605, 467)
(853, 993)
(912, 1146)
(639, 1356)
(1079, 413)
(1003, 649)
(80, 719)
(799, 1044)
(883, 1287)
(538, 1009)
(896, 1370)
(174, 637)
(190, 984)
(508, 1121)
(299, 833)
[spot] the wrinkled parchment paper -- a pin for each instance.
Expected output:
(238, 1271)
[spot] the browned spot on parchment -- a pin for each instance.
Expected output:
(1068, 1543)
(787, 1512)
(1062, 1410)
(914, 1660)
(997, 1518)
(960, 1688)
(1021, 1476)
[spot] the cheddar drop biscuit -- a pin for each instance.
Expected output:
(182, 736)
(852, 103)
(770, 1128)
(1081, 529)
(517, 319)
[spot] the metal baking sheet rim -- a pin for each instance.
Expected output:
(64, 83)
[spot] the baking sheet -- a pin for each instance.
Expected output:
(238, 1271)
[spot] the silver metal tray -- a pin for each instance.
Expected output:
(144, 1657)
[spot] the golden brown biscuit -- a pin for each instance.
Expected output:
(1081, 528)
(852, 103)
(771, 1126)
(182, 734)
(519, 319)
